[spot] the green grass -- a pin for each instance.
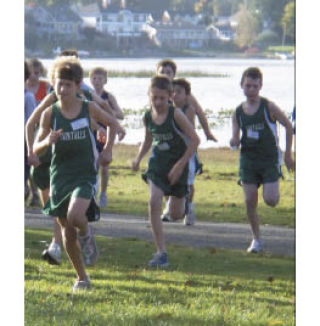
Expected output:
(281, 48)
(150, 73)
(201, 287)
(218, 198)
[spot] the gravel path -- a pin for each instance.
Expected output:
(277, 240)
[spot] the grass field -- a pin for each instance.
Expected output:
(201, 287)
(218, 198)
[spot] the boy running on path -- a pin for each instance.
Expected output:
(181, 91)
(260, 156)
(167, 172)
(40, 169)
(169, 68)
(66, 126)
(98, 79)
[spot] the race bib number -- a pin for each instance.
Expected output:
(163, 146)
(253, 134)
(80, 123)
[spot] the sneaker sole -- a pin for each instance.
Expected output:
(254, 251)
(46, 256)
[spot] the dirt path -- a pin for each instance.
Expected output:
(277, 240)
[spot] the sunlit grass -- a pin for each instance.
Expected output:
(218, 197)
(201, 287)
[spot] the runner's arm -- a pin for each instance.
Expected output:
(144, 148)
(33, 120)
(46, 136)
(187, 128)
(115, 106)
(102, 103)
(202, 118)
(235, 140)
(277, 115)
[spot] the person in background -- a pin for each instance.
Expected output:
(29, 106)
(98, 79)
(40, 88)
(181, 90)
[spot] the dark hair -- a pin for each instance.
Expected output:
(70, 70)
(36, 63)
(252, 72)
(167, 62)
(26, 71)
(69, 53)
(183, 83)
(161, 82)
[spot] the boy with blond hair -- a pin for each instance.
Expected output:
(98, 78)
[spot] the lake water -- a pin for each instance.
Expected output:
(212, 93)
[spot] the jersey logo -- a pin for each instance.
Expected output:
(80, 123)
(252, 134)
(163, 146)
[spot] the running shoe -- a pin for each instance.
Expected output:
(159, 260)
(103, 199)
(52, 254)
(190, 217)
(89, 248)
(81, 285)
(34, 200)
(255, 247)
(166, 218)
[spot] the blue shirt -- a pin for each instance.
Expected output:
(29, 105)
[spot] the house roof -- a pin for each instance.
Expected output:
(92, 9)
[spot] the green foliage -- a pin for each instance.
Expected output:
(247, 29)
(288, 20)
(266, 38)
(201, 287)
(281, 48)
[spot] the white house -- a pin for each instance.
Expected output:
(88, 13)
(123, 23)
(182, 35)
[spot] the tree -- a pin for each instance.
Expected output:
(288, 20)
(247, 29)
(271, 11)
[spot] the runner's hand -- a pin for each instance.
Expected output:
(33, 159)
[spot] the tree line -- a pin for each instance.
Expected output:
(260, 21)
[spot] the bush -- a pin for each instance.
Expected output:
(267, 38)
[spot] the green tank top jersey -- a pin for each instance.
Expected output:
(73, 169)
(259, 140)
(46, 158)
(87, 94)
(168, 146)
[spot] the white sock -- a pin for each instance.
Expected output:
(190, 207)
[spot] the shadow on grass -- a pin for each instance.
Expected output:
(125, 255)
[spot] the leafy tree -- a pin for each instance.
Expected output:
(247, 29)
(271, 11)
(288, 20)
(182, 5)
